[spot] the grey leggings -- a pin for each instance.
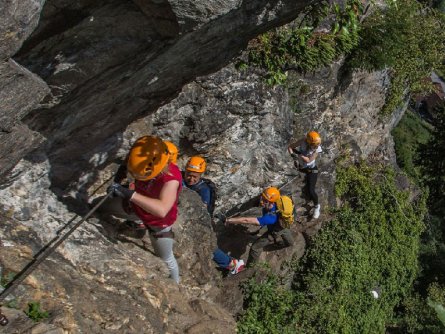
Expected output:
(163, 247)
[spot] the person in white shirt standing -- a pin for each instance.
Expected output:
(305, 151)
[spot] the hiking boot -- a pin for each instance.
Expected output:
(317, 211)
(236, 266)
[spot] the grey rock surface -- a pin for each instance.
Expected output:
(107, 89)
(16, 84)
(18, 20)
(103, 279)
(179, 17)
(20, 92)
(238, 124)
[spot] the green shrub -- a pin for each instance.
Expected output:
(409, 135)
(6, 279)
(269, 307)
(432, 162)
(301, 47)
(406, 37)
(436, 300)
(373, 242)
(35, 313)
(423, 310)
(415, 316)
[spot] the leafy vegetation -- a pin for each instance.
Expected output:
(422, 311)
(405, 36)
(35, 313)
(415, 316)
(304, 46)
(432, 163)
(426, 155)
(410, 133)
(436, 300)
(409, 39)
(270, 307)
(373, 242)
(5, 279)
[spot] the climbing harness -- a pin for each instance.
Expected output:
(309, 170)
(168, 234)
(42, 255)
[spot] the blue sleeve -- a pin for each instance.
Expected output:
(267, 219)
(204, 192)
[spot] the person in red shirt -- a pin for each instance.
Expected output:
(154, 199)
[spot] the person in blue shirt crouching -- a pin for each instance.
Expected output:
(270, 218)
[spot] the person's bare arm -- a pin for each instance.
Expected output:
(311, 158)
(243, 220)
(158, 207)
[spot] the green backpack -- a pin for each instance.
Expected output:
(285, 208)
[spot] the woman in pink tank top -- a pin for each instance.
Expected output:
(154, 199)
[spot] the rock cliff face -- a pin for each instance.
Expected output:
(95, 75)
(104, 279)
(107, 63)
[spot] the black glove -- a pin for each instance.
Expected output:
(222, 218)
(121, 191)
(295, 153)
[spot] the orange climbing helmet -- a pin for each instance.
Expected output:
(196, 164)
(313, 138)
(147, 158)
(271, 194)
(172, 151)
